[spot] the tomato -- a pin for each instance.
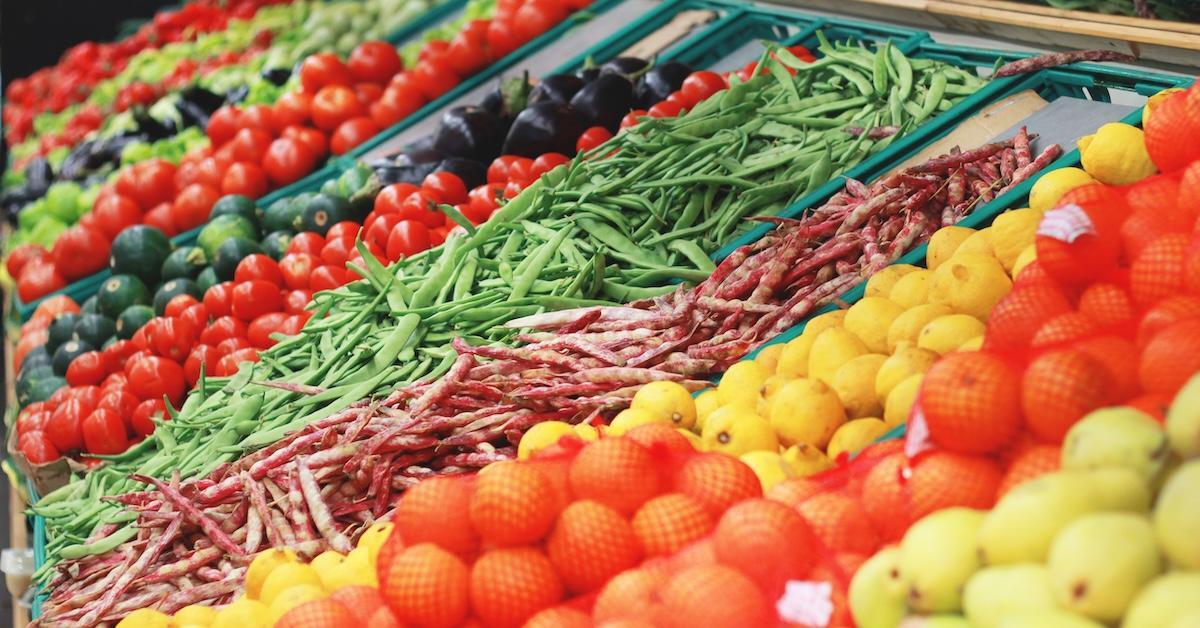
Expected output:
(407, 238)
(289, 159)
(104, 432)
(116, 380)
(306, 242)
(404, 83)
(323, 69)
(501, 38)
(120, 401)
(434, 49)
(698, 86)
(21, 254)
(295, 301)
(154, 182)
(114, 213)
(391, 198)
(260, 330)
(209, 171)
(80, 251)
(38, 279)
(196, 314)
(295, 269)
(33, 417)
(328, 278)
(37, 447)
(384, 114)
(64, 429)
(422, 205)
(245, 178)
(337, 251)
(536, 17)
(315, 140)
(467, 53)
(223, 124)
(142, 419)
(194, 205)
(513, 188)
(229, 363)
(87, 369)
(116, 354)
(162, 218)
(334, 105)
(547, 162)
(249, 145)
(171, 337)
(254, 298)
(260, 117)
(217, 299)
(28, 342)
(351, 133)
(678, 98)
(88, 394)
(448, 187)
(153, 377)
(59, 397)
(178, 304)
(229, 345)
(631, 118)
(434, 77)
(258, 266)
(374, 61)
(292, 108)
(368, 93)
(222, 328)
(202, 355)
(592, 138)
(378, 229)
(292, 325)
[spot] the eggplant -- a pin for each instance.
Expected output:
(413, 173)
(556, 88)
(493, 103)
(473, 173)
(470, 132)
(192, 114)
(659, 82)
(202, 98)
(418, 156)
(237, 94)
(38, 176)
(587, 75)
(628, 67)
(77, 164)
(604, 101)
(547, 127)
(277, 76)
(151, 127)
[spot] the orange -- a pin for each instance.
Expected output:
(1032, 273)
(714, 595)
(559, 617)
(1017, 317)
(590, 544)
(1059, 388)
(513, 504)
(840, 523)
(508, 586)
(792, 491)
(1155, 405)
(1077, 258)
(971, 402)
(426, 585)
(1158, 196)
(1191, 268)
(701, 552)
(627, 623)
(1170, 122)
(767, 541)
(669, 522)
(631, 594)
(436, 510)
(1105, 304)
(1165, 313)
(1189, 191)
(661, 438)
(1063, 329)
(941, 479)
(884, 496)
(317, 614)
(361, 601)
(383, 618)
(616, 472)
(1116, 354)
(1158, 271)
(717, 481)
(1034, 461)
(1171, 358)
(1145, 226)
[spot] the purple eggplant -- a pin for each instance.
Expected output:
(604, 101)
(659, 82)
(547, 127)
(556, 88)
(470, 132)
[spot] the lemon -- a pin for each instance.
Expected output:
(1012, 231)
(262, 566)
(833, 348)
(907, 326)
(587, 432)
(349, 573)
(803, 459)
(692, 438)
(854, 436)
(735, 430)
(243, 613)
(773, 383)
(630, 418)
(980, 242)
(768, 358)
(196, 615)
(1154, 101)
(947, 333)
(291, 598)
(375, 536)
(793, 361)
(944, 243)
(900, 401)
(762, 407)
(806, 411)
(541, 436)
(286, 576)
(326, 560)
(974, 344)
(912, 289)
(880, 284)
(970, 284)
(768, 466)
(706, 402)
(854, 384)
(869, 319)
(145, 618)
(1028, 255)
(668, 400)
(1053, 185)
(742, 382)
(1116, 154)
(904, 362)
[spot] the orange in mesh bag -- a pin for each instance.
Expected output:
(1176, 117)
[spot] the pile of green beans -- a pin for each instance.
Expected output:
(627, 221)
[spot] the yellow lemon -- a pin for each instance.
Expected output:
(145, 618)
(630, 418)
(768, 358)
(771, 386)
(286, 576)
(668, 400)
(869, 319)
(1154, 101)
(706, 403)
(900, 401)
(912, 289)
(944, 243)
(974, 344)
(947, 333)
(1053, 185)
(768, 466)
(262, 566)
(326, 560)
(904, 362)
(345, 575)
(1116, 154)
(980, 243)
(692, 438)
(291, 598)
(735, 430)
(806, 411)
(803, 460)
(742, 382)
(1027, 256)
(854, 384)
(854, 436)
(907, 326)
(376, 535)
(880, 284)
(762, 407)
(243, 613)
(587, 432)
(541, 436)
(1012, 231)
(793, 361)
(970, 284)
(195, 615)
(833, 348)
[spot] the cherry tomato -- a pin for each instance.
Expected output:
(295, 301)
(292, 108)
(89, 395)
(37, 447)
(535, 17)
(631, 118)
(296, 268)
(258, 266)
(171, 337)
(698, 86)
(162, 218)
(547, 162)
(229, 363)
(351, 133)
(104, 432)
(391, 198)
(501, 38)
(116, 354)
(368, 93)
(328, 278)
(289, 159)
(229, 345)
(374, 61)
(114, 213)
(592, 138)
(323, 69)
(447, 185)
(38, 279)
(178, 304)
(249, 145)
(223, 124)
(88, 368)
(292, 325)
(142, 419)
(379, 227)
(665, 109)
(209, 171)
(407, 238)
(193, 206)
(434, 77)
(152, 377)
(260, 117)
(196, 314)
(80, 251)
(343, 229)
(21, 254)
(520, 169)
(467, 53)
(254, 298)
(32, 421)
(120, 401)
(64, 429)
(202, 355)
(337, 251)
(222, 328)
(245, 178)
(333, 105)
(306, 242)
(260, 330)
(217, 299)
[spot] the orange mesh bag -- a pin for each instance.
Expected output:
(1061, 386)
(1080, 239)
(317, 614)
(1158, 269)
(1033, 461)
(1173, 119)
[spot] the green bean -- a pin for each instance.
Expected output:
(934, 96)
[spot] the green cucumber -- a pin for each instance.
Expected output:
(132, 320)
(61, 330)
(95, 329)
(139, 251)
(121, 291)
(185, 262)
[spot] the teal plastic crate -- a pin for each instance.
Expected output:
(440, 12)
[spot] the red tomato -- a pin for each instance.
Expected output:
(467, 53)
(229, 363)
(254, 298)
(378, 228)
(497, 171)
(295, 301)
(316, 141)
(32, 421)
(223, 124)
(120, 401)
(58, 397)
(38, 279)
(678, 98)
(152, 377)
(547, 162)
(391, 198)
(249, 145)
(202, 355)
(142, 419)
(536, 17)
(64, 429)
(87, 369)
(154, 182)
(37, 447)
(337, 251)
(162, 218)
(501, 38)
(295, 269)
(80, 251)
(196, 314)
(306, 242)
(221, 329)
(260, 330)
(368, 93)
(351, 133)
(404, 98)
(217, 299)
(260, 117)
(292, 325)
(422, 205)
(592, 138)
(171, 337)
(289, 159)
(407, 238)
(323, 69)
(114, 214)
(433, 49)
(343, 229)
(384, 114)
(334, 105)
(115, 356)
(434, 77)
(245, 178)
(229, 345)
(258, 266)
(520, 169)
(665, 109)
(193, 206)
(89, 395)
(21, 254)
(292, 108)
(104, 432)
(374, 61)
(209, 171)
(328, 278)
(631, 118)
(698, 86)
(448, 187)
(178, 304)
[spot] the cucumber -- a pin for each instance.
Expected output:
(185, 262)
(64, 355)
(237, 205)
(95, 329)
(139, 251)
(120, 292)
(90, 306)
(132, 320)
(61, 330)
(222, 229)
(323, 212)
(172, 289)
(207, 279)
(230, 253)
(275, 244)
(282, 215)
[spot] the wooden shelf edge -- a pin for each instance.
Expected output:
(1088, 16)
